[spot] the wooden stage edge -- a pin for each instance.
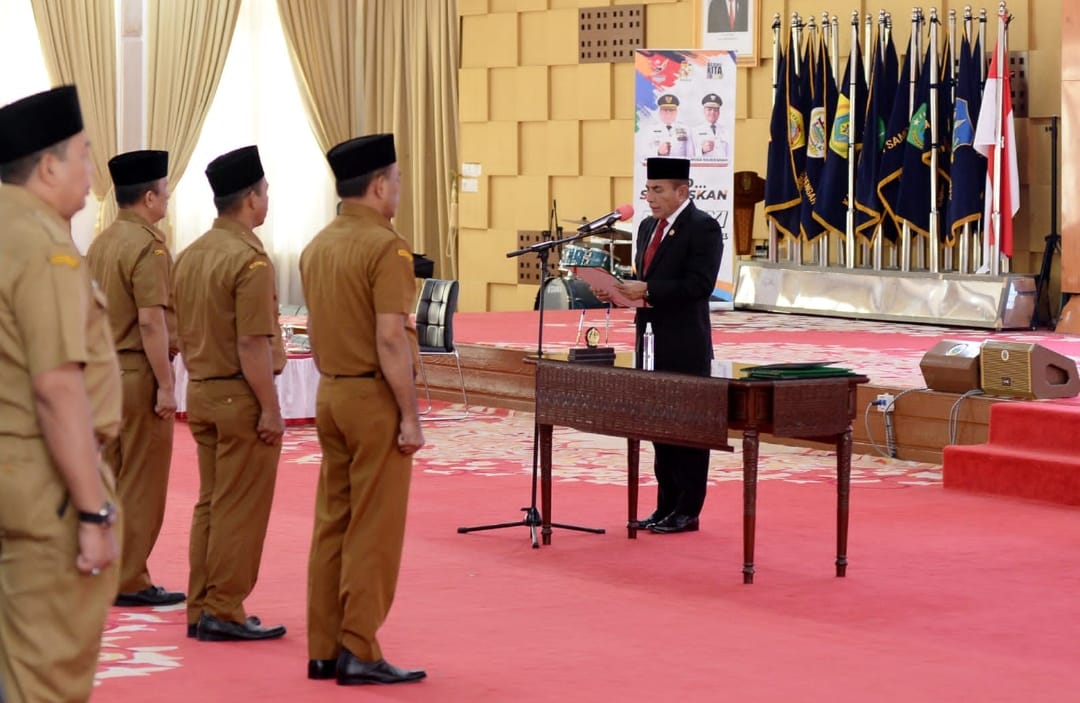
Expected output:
(501, 378)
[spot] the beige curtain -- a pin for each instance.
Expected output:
(78, 40)
(323, 48)
(188, 41)
(410, 51)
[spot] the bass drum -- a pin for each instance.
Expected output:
(567, 294)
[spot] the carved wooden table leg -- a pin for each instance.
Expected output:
(545, 482)
(843, 495)
(750, 460)
(633, 447)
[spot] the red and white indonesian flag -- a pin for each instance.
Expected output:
(997, 83)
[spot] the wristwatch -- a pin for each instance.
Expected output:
(645, 295)
(106, 516)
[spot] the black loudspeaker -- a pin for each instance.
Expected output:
(952, 367)
(1028, 371)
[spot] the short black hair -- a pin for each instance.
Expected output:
(358, 187)
(228, 203)
(18, 172)
(129, 195)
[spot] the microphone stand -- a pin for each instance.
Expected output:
(532, 518)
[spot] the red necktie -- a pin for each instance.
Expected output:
(654, 244)
(731, 13)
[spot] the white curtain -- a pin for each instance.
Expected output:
(258, 102)
(23, 71)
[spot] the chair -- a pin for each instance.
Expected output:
(435, 335)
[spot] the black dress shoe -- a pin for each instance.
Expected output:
(193, 628)
(354, 672)
(213, 629)
(676, 523)
(321, 668)
(648, 522)
(151, 595)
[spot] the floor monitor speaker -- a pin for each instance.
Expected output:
(1030, 371)
(952, 367)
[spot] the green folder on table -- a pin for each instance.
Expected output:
(811, 369)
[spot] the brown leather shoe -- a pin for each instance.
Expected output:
(355, 672)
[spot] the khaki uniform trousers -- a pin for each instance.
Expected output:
(141, 456)
(360, 508)
(51, 616)
(237, 472)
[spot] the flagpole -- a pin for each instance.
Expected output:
(773, 245)
(934, 243)
(883, 30)
(947, 251)
(796, 36)
(913, 50)
(965, 233)
(853, 58)
(995, 212)
(816, 46)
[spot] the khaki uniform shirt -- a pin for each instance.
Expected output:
(355, 268)
(51, 314)
(133, 267)
(224, 288)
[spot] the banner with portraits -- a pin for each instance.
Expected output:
(685, 108)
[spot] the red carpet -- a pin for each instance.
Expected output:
(949, 596)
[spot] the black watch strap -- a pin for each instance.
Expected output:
(105, 516)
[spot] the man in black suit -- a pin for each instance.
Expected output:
(678, 256)
(727, 16)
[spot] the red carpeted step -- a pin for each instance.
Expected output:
(1045, 426)
(1023, 472)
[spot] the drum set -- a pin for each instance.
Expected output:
(569, 292)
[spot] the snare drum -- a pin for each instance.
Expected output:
(573, 255)
(597, 257)
(567, 294)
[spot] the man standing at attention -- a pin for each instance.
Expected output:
(357, 275)
(678, 256)
(227, 319)
(59, 401)
(131, 263)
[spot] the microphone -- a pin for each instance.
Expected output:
(623, 212)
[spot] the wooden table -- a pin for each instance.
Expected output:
(696, 411)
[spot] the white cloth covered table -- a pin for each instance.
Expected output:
(296, 387)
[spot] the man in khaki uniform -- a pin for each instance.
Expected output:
(59, 399)
(131, 263)
(227, 320)
(358, 283)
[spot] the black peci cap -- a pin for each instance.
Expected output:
(712, 100)
(232, 172)
(661, 168)
(39, 121)
(136, 167)
(356, 157)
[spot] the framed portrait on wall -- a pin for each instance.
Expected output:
(729, 25)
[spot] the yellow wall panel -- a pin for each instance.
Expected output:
(503, 206)
(472, 7)
(586, 196)
(622, 191)
(1046, 100)
(1046, 25)
(669, 26)
(607, 147)
(518, 5)
(499, 44)
(562, 36)
(532, 93)
(473, 141)
(594, 91)
(474, 83)
(564, 148)
(503, 93)
(532, 203)
(473, 206)
(622, 91)
(486, 259)
(500, 148)
(564, 93)
(534, 139)
(505, 298)
(473, 53)
(472, 269)
(555, 4)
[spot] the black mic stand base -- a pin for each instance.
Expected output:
(532, 520)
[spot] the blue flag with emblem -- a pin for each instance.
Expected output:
(832, 204)
(968, 166)
(869, 210)
(892, 152)
(822, 89)
(913, 200)
(787, 148)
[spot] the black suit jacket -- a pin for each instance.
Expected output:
(680, 280)
(720, 21)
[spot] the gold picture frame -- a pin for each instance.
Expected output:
(717, 27)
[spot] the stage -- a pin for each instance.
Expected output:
(494, 347)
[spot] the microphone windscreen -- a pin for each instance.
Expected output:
(626, 211)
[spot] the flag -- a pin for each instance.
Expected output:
(892, 153)
(967, 165)
(832, 205)
(913, 198)
(869, 211)
(787, 148)
(943, 139)
(998, 84)
(822, 86)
